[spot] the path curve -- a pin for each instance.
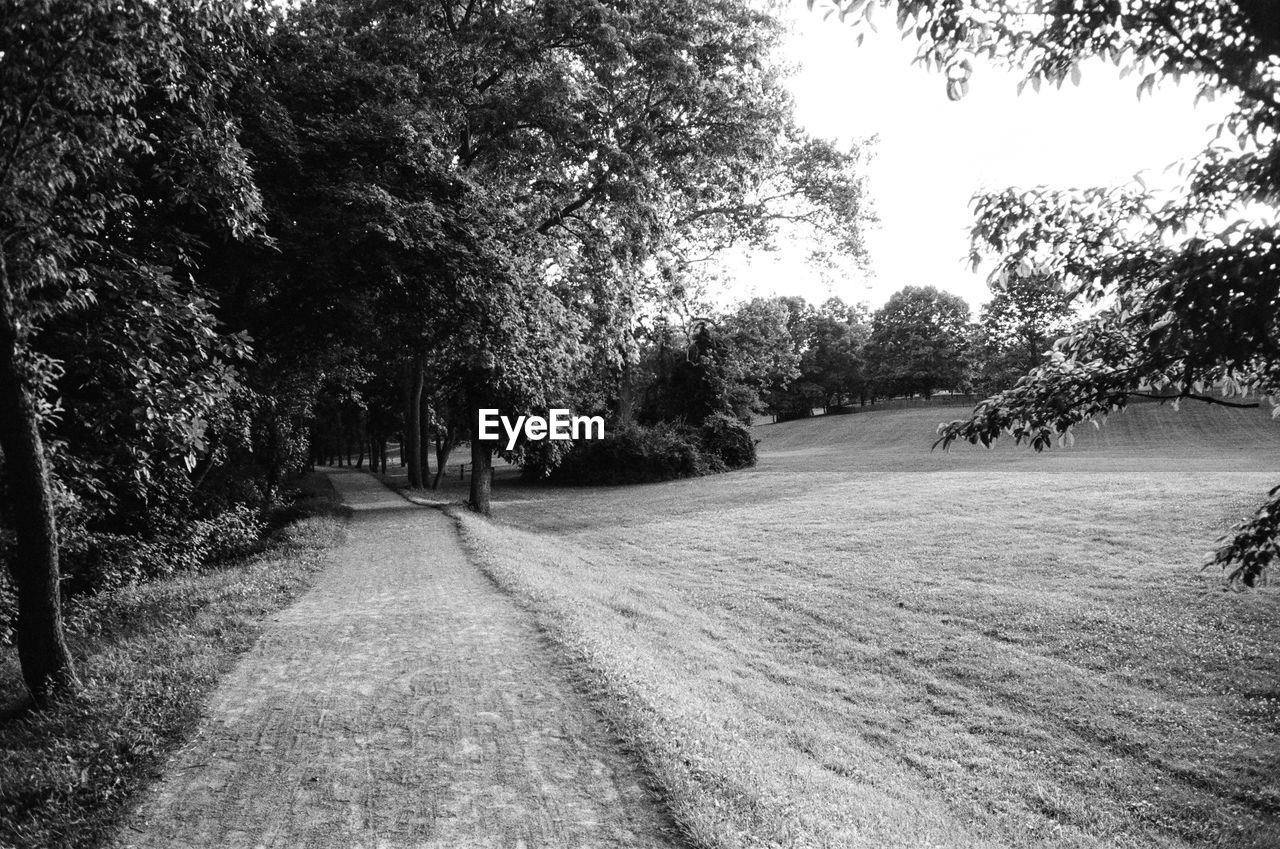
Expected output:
(403, 701)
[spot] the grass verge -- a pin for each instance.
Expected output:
(638, 697)
(148, 656)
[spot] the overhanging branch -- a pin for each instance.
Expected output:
(1207, 399)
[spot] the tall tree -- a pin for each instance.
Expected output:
(102, 105)
(829, 343)
(834, 360)
(1026, 314)
(918, 342)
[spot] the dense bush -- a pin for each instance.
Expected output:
(539, 458)
(129, 510)
(728, 442)
(96, 561)
(633, 454)
(646, 454)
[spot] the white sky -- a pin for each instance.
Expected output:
(933, 154)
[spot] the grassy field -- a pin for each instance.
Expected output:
(859, 643)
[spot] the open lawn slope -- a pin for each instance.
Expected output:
(1144, 428)
(863, 643)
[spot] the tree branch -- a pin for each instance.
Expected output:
(1208, 399)
(557, 218)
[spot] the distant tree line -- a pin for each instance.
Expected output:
(784, 357)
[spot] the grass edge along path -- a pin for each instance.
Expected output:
(714, 792)
(149, 656)
(612, 690)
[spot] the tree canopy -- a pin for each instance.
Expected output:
(918, 342)
(1024, 317)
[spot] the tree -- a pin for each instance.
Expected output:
(1185, 286)
(1017, 326)
(104, 107)
(761, 353)
(833, 360)
(829, 343)
(721, 364)
(690, 378)
(918, 342)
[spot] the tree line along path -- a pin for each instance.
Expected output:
(403, 701)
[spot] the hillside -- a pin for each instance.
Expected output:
(1144, 428)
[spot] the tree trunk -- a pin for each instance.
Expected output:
(481, 473)
(443, 450)
(362, 437)
(47, 668)
(412, 450)
(626, 396)
(206, 463)
(478, 398)
(424, 437)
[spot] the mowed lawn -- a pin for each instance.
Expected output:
(859, 643)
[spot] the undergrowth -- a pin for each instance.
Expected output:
(148, 656)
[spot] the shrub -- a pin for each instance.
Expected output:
(95, 562)
(633, 454)
(644, 454)
(234, 533)
(727, 442)
(539, 458)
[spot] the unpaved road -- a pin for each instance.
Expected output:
(404, 701)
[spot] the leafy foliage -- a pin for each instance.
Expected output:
(831, 343)
(632, 454)
(508, 182)
(1025, 316)
(722, 365)
(918, 342)
(728, 442)
(121, 165)
(636, 453)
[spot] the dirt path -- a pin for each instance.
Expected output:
(403, 702)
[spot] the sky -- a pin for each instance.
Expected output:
(934, 154)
